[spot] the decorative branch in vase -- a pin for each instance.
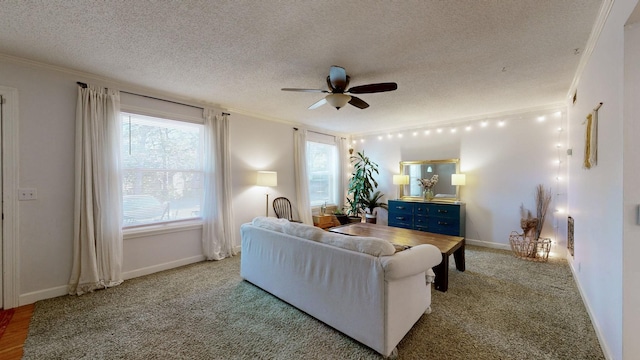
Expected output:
(529, 244)
(427, 187)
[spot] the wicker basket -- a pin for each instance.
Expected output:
(528, 248)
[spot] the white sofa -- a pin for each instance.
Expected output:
(356, 285)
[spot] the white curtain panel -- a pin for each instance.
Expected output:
(343, 170)
(217, 210)
(97, 237)
(302, 179)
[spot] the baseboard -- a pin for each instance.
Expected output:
(488, 244)
(32, 297)
(161, 267)
(594, 322)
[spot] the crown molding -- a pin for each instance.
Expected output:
(603, 15)
(108, 82)
(145, 91)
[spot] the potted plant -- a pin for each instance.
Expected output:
(371, 203)
(341, 216)
(361, 184)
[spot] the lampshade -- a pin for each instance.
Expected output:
(338, 100)
(267, 178)
(429, 169)
(400, 179)
(458, 179)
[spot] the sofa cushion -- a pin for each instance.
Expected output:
(368, 245)
(303, 230)
(270, 223)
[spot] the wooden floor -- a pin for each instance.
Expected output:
(12, 340)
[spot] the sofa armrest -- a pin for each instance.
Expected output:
(411, 261)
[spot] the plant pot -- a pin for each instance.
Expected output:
(344, 219)
(355, 219)
(371, 218)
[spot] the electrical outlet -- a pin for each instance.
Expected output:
(27, 194)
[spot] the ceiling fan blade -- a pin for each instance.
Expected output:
(305, 90)
(338, 78)
(318, 104)
(359, 103)
(373, 88)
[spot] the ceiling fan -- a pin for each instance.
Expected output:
(338, 81)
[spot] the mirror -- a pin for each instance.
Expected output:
(425, 169)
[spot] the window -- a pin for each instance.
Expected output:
(162, 169)
(322, 168)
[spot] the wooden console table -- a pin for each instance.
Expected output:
(447, 244)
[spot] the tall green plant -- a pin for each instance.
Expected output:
(374, 201)
(362, 183)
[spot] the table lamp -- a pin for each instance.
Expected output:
(400, 180)
(457, 180)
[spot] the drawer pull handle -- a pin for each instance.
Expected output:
(443, 211)
(400, 207)
(442, 223)
(399, 217)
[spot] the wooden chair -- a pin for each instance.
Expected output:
(282, 208)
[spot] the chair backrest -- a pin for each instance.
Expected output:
(282, 208)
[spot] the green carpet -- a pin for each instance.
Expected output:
(501, 307)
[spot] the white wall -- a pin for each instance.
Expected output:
(47, 102)
(596, 195)
(259, 145)
(631, 196)
(503, 166)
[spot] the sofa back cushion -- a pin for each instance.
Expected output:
(368, 245)
(270, 223)
(302, 230)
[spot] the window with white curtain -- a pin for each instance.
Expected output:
(162, 169)
(322, 169)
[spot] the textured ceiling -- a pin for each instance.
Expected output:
(451, 59)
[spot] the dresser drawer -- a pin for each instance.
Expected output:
(421, 209)
(447, 226)
(444, 211)
(400, 207)
(400, 220)
(421, 222)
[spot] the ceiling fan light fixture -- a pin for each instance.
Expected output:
(338, 100)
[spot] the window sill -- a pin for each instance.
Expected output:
(160, 229)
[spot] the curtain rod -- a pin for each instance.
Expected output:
(84, 86)
(317, 132)
(597, 107)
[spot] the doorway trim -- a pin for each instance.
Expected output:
(10, 229)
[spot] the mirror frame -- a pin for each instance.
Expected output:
(422, 162)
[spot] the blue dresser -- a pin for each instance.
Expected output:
(440, 218)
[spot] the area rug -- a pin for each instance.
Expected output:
(501, 307)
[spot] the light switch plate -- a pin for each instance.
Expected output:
(27, 194)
